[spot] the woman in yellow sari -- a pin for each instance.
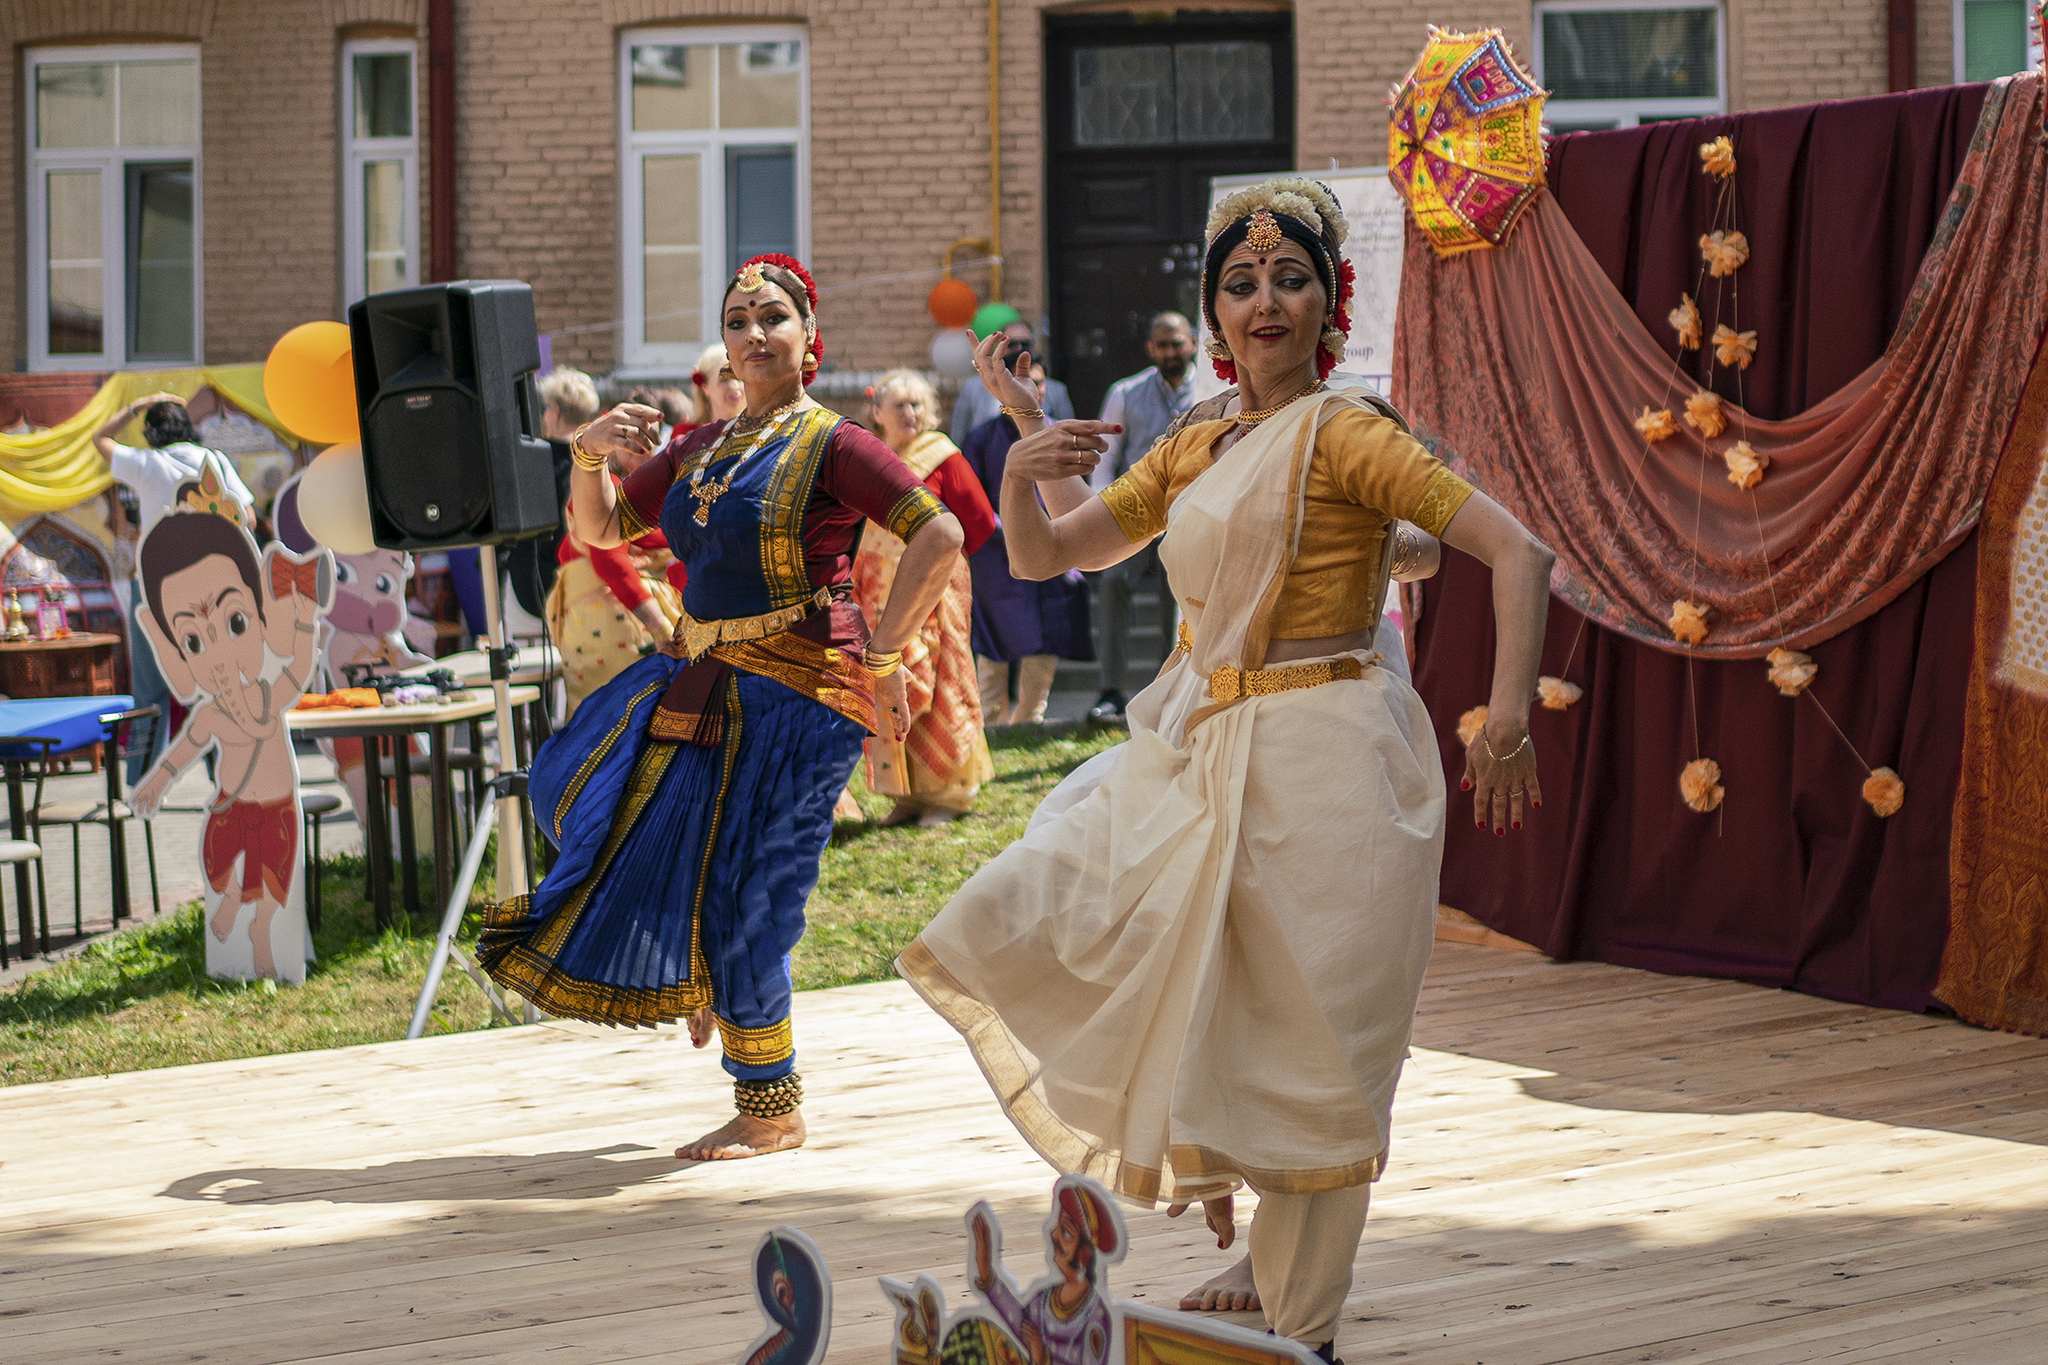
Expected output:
(935, 771)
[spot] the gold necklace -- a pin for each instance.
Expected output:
(1252, 419)
(707, 491)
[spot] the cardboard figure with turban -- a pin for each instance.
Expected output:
(233, 631)
(1068, 1316)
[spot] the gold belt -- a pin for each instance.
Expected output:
(695, 637)
(1230, 684)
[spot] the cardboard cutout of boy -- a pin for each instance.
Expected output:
(233, 631)
(1068, 1316)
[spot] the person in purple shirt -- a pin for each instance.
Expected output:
(1032, 625)
(1067, 1321)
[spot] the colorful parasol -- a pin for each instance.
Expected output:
(1465, 147)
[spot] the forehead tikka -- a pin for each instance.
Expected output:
(750, 280)
(1264, 234)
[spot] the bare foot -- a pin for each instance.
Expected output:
(938, 815)
(701, 1027)
(848, 808)
(744, 1135)
(1230, 1292)
(223, 922)
(902, 813)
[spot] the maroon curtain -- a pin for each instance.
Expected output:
(1794, 882)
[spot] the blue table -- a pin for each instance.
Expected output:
(74, 722)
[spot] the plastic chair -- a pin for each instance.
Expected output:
(313, 805)
(17, 851)
(133, 732)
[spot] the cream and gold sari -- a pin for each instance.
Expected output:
(1200, 964)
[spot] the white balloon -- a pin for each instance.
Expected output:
(953, 353)
(334, 502)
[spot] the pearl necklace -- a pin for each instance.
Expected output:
(707, 491)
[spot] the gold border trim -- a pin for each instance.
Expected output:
(1439, 501)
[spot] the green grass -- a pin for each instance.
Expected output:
(142, 999)
(878, 887)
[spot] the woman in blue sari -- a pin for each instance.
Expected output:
(692, 795)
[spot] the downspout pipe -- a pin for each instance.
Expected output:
(1902, 23)
(441, 134)
(995, 149)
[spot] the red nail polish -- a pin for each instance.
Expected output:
(1499, 833)
(1464, 784)
(1518, 824)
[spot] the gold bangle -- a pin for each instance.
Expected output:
(1019, 414)
(583, 458)
(882, 665)
(1502, 758)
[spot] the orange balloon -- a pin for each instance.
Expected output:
(310, 383)
(952, 303)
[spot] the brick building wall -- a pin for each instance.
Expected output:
(897, 152)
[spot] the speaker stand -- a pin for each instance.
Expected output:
(507, 791)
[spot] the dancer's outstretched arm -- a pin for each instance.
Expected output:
(1500, 763)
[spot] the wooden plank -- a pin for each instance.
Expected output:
(1643, 1164)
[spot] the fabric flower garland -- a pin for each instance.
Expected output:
(1656, 424)
(1688, 622)
(1733, 348)
(1717, 158)
(1700, 785)
(1745, 466)
(1556, 694)
(1791, 672)
(1885, 790)
(1703, 412)
(1470, 724)
(1724, 251)
(1685, 320)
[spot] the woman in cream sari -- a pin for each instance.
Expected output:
(1199, 966)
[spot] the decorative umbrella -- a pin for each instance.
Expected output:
(1465, 147)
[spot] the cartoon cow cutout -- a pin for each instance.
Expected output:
(233, 631)
(369, 624)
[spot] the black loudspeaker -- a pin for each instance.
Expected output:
(452, 450)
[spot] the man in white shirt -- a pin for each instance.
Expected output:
(1145, 404)
(173, 456)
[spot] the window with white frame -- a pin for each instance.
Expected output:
(113, 206)
(379, 166)
(1618, 63)
(1995, 38)
(714, 170)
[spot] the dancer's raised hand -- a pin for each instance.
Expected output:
(1013, 388)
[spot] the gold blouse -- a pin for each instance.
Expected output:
(1365, 474)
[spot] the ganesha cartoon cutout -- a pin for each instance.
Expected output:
(233, 630)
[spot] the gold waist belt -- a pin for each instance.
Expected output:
(694, 638)
(1230, 684)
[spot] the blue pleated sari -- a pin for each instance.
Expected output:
(685, 866)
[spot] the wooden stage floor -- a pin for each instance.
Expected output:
(1590, 1164)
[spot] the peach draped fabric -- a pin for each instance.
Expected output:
(1524, 369)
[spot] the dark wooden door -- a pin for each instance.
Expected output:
(1140, 117)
